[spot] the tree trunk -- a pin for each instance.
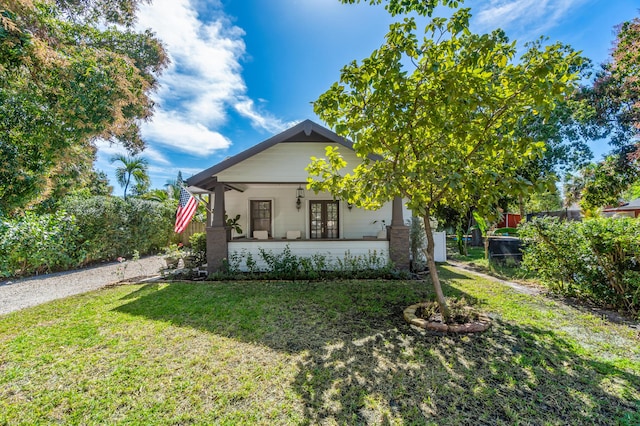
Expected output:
(521, 206)
(126, 186)
(461, 240)
(486, 246)
(433, 272)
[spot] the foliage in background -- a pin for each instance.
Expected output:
(198, 243)
(598, 259)
(39, 243)
(398, 7)
(616, 89)
(86, 230)
(132, 167)
(112, 227)
(417, 242)
(70, 72)
(547, 201)
(605, 182)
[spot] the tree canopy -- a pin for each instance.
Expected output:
(70, 72)
(399, 7)
(614, 98)
(615, 92)
(434, 118)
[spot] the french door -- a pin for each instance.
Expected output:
(324, 219)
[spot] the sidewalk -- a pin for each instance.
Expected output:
(32, 291)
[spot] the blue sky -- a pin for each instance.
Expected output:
(243, 70)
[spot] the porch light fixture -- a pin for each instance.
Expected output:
(349, 206)
(299, 196)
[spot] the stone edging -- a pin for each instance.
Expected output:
(471, 327)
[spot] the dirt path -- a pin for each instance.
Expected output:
(22, 293)
(531, 290)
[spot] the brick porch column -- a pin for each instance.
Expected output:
(399, 238)
(217, 247)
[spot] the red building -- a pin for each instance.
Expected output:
(509, 220)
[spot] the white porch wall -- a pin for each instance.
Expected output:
(354, 223)
(332, 249)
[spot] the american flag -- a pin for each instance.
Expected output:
(186, 209)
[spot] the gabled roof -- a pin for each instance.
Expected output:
(305, 131)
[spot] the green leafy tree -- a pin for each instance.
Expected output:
(633, 192)
(547, 201)
(606, 181)
(616, 90)
(398, 7)
(131, 168)
(433, 119)
(173, 186)
(70, 72)
(572, 188)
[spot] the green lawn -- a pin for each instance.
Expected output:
(475, 258)
(309, 353)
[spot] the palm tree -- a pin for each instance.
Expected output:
(173, 187)
(132, 167)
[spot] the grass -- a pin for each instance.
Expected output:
(312, 353)
(475, 258)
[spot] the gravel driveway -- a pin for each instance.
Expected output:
(20, 294)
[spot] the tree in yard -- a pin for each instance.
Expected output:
(616, 90)
(71, 72)
(603, 184)
(132, 167)
(433, 119)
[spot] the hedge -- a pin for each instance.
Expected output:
(598, 259)
(84, 230)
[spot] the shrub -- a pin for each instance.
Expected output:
(288, 266)
(598, 259)
(112, 227)
(198, 243)
(39, 243)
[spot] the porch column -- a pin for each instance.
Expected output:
(217, 247)
(399, 237)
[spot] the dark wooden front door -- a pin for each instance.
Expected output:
(324, 219)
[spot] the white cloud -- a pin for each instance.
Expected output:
(203, 80)
(107, 150)
(531, 16)
(171, 129)
(247, 108)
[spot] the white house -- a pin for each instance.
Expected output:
(266, 186)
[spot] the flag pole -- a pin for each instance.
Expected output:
(206, 205)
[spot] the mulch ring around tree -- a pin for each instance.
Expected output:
(464, 319)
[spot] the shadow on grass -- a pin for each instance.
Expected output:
(359, 362)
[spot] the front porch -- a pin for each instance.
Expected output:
(264, 190)
(359, 233)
